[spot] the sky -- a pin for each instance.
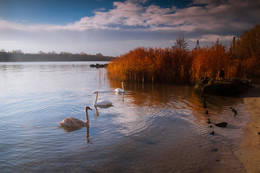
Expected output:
(116, 27)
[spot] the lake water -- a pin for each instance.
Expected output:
(151, 128)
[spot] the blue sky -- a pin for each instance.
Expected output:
(115, 27)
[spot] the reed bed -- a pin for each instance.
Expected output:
(179, 65)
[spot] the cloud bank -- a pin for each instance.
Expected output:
(134, 23)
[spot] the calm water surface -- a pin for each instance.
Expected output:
(155, 128)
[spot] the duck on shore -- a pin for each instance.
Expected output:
(233, 110)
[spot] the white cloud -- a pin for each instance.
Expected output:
(211, 16)
(130, 15)
(5, 25)
(213, 38)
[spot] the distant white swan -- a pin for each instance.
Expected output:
(119, 90)
(103, 103)
(74, 123)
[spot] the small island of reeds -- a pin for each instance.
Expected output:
(180, 65)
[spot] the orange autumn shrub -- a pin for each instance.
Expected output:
(208, 61)
(179, 65)
(248, 67)
(246, 52)
(174, 65)
(152, 65)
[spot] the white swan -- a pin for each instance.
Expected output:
(119, 90)
(103, 103)
(74, 123)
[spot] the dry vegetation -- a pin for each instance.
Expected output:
(179, 65)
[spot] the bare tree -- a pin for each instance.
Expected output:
(181, 43)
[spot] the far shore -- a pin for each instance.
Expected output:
(21, 57)
(249, 153)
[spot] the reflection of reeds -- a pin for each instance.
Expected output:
(174, 65)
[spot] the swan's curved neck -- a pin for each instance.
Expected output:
(96, 98)
(87, 120)
(123, 86)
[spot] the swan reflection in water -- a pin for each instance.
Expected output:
(123, 95)
(96, 108)
(71, 130)
(97, 113)
(71, 124)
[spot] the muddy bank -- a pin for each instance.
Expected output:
(223, 87)
(249, 152)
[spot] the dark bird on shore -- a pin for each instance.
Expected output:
(212, 133)
(74, 123)
(209, 122)
(233, 110)
(206, 112)
(204, 105)
(222, 124)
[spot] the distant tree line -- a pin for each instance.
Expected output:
(19, 56)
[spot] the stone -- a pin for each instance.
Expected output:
(214, 150)
(222, 124)
(209, 122)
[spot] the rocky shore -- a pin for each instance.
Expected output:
(249, 150)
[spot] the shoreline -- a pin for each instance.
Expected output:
(249, 150)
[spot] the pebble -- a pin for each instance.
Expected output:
(222, 124)
(214, 150)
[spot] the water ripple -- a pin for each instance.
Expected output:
(155, 128)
